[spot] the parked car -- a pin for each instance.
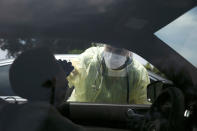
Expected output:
(7, 94)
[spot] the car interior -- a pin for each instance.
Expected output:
(73, 26)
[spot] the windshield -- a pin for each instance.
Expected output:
(181, 35)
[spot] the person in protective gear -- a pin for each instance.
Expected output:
(104, 74)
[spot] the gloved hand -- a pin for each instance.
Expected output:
(67, 66)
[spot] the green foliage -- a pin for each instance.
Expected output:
(75, 51)
(148, 66)
(151, 68)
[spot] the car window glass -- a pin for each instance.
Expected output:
(181, 35)
(94, 82)
(97, 84)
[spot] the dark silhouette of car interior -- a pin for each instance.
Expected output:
(130, 24)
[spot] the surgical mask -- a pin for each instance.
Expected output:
(114, 61)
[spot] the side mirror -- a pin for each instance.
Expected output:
(153, 90)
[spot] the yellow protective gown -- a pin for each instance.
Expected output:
(93, 82)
